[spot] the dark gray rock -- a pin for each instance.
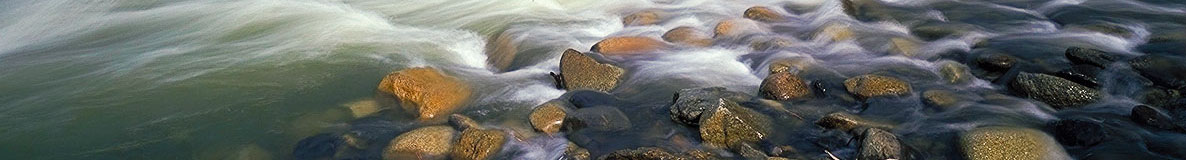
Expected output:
(996, 62)
(319, 146)
(601, 118)
(644, 153)
(1153, 117)
(1057, 92)
(1160, 97)
(1082, 74)
(879, 144)
(1093, 57)
(1162, 70)
(691, 103)
(1079, 132)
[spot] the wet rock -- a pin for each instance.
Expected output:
(1082, 74)
(942, 98)
(363, 108)
(548, 117)
(1162, 70)
(1110, 29)
(691, 103)
(501, 50)
(766, 43)
(1154, 117)
(846, 122)
(625, 46)
(903, 46)
(989, 143)
(320, 146)
(574, 152)
(462, 122)
(687, 36)
(879, 144)
(642, 18)
(996, 62)
(699, 155)
(784, 151)
(1161, 97)
(426, 92)
(954, 72)
(790, 65)
(937, 30)
(836, 31)
(731, 124)
(1058, 92)
(1087, 56)
(1079, 132)
(735, 28)
(784, 86)
(868, 86)
(764, 14)
(580, 71)
(601, 118)
(644, 153)
(478, 144)
(433, 142)
(588, 98)
(250, 152)
(748, 151)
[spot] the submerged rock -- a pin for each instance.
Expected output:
(1082, 74)
(1154, 117)
(1162, 70)
(319, 146)
(735, 28)
(1087, 56)
(548, 117)
(784, 86)
(642, 18)
(954, 72)
(847, 122)
(462, 122)
(1079, 132)
(690, 104)
(764, 14)
(363, 108)
(791, 65)
(1059, 93)
(433, 142)
(574, 152)
(687, 36)
(836, 31)
(942, 98)
(996, 62)
(602, 118)
(903, 46)
(426, 92)
(580, 71)
(992, 143)
(731, 124)
(879, 144)
(624, 46)
(644, 153)
(478, 144)
(869, 86)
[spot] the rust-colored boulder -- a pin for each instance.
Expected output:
(426, 92)
(579, 71)
(624, 46)
(687, 36)
(764, 14)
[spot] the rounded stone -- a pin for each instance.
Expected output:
(1079, 132)
(548, 117)
(579, 71)
(954, 72)
(879, 144)
(731, 124)
(642, 18)
(690, 104)
(735, 28)
(1010, 143)
(996, 62)
(426, 92)
(1058, 92)
(687, 36)
(868, 86)
(478, 144)
(784, 86)
(624, 46)
(432, 141)
(764, 14)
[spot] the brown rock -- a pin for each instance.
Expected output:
(868, 86)
(687, 36)
(429, 142)
(583, 72)
(732, 124)
(763, 14)
(642, 18)
(992, 143)
(792, 65)
(501, 51)
(624, 46)
(548, 117)
(574, 152)
(836, 31)
(735, 27)
(426, 91)
(462, 122)
(784, 86)
(847, 122)
(478, 144)
(903, 46)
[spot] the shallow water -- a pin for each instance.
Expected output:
(194, 79)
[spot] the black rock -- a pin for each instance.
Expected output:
(1079, 132)
(1153, 117)
(1082, 74)
(1160, 97)
(1059, 93)
(1162, 70)
(996, 62)
(689, 104)
(319, 146)
(603, 118)
(879, 144)
(1087, 56)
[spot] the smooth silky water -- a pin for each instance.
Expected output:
(248, 79)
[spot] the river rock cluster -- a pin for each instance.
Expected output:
(781, 118)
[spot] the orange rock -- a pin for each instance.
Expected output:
(426, 92)
(687, 36)
(617, 46)
(642, 18)
(735, 27)
(763, 14)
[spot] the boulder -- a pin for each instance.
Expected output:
(687, 36)
(954, 72)
(992, 143)
(1098, 58)
(433, 142)
(642, 18)
(1079, 132)
(731, 124)
(847, 122)
(1154, 117)
(478, 144)
(1162, 70)
(869, 86)
(784, 86)
(1058, 92)
(426, 92)
(764, 14)
(579, 71)
(691, 103)
(996, 62)
(879, 144)
(626, 46)
(548, 117)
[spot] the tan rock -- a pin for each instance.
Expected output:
(847, 122)
(462, 122)
(735, 27)
(625, 46)
(770, 43)
(731, 124)
(426, 92)
(764, 14)
(941, 98)
(791, 65)
(363, 108)
(687, 36)
(580, 71)
(836, 31)
(784, 86)
(501, 51)
(548, 117)
(478, 144)
(642, 18)
(955, 72)
(1010, 143)
(433, 142)
(868, 86)
(903, 46)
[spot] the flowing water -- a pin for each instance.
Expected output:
(216, 79)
